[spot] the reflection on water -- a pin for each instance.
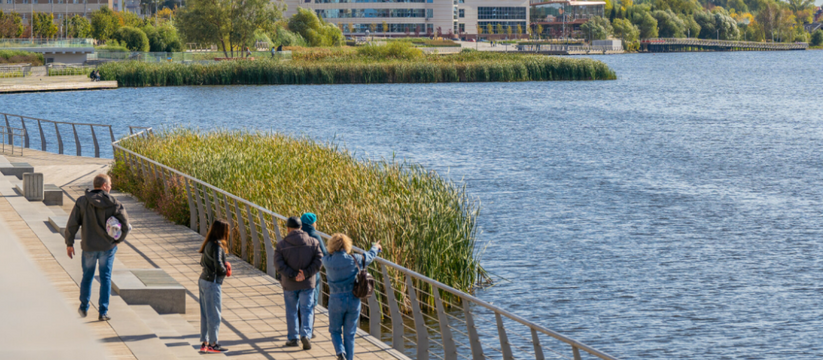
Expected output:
(673, 213)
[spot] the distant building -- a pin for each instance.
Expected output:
(458, 18)
(60, 8)
(563, 18)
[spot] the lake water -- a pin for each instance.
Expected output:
(673, 213)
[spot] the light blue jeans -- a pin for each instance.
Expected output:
(344, 315)
(90, 260)
(210, 308)
(303, 300)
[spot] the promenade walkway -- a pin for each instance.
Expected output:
(253, 324)
(53, 83)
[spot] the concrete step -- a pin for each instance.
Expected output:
(174, 341)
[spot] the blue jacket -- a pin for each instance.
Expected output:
(309, 229)
(341, 270)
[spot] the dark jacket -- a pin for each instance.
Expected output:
(213, 263)
(91, 212)
(297, 251)
(309, 229)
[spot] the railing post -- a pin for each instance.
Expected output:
(217, 212)
(192, 210)
(76, 140)
(241, 226)
(449, 349)
(163, 179)
(9, 136)
(25, 133)
(255, 240)
(94, 139)
(59, 140)
(374, 316)
(505, 346)
(396, 318)
(111, 132)
(231, 221)
(208, 203)
(42, 136)
(269, 247)
(201, 213)
(538, 350)
(576, 353)
(474, 340)
(277, 238)
(419, 325)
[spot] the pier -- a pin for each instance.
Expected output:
(693, 45)
(395, 324)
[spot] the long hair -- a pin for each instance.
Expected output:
(218, 232)
(339, 242)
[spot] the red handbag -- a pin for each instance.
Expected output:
(228, 269)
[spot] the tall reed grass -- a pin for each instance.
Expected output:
(425, 222)
(347, 67)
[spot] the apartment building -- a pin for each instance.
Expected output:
(60, 8)
(418, 17)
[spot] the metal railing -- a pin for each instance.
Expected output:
(24, 120)
(460, 326)
(31, 43)
(13, 71)
(9, 133)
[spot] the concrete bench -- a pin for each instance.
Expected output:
(52, 194)
(17, 169)
(152, 287)
(58, 223)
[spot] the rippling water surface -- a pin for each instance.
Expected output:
(673, 213)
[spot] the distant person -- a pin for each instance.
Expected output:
(215, 269)
(104, 224)
(298, 258)
(344, 308)
(308, 220)
(248, 52)
(273, 50)
(280, 48)
(97, 75)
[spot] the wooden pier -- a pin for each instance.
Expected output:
(694, 45)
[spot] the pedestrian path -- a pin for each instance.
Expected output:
(253, 324)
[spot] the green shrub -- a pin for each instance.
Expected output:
(817, 38)
(132, 38)
(392, 50)
(316, 31)
(20, 57)
(283, 36)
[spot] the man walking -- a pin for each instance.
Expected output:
(298, 258)
(93, 212)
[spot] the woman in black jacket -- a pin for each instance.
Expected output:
(215, 268)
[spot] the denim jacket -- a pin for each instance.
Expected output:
(341, 270)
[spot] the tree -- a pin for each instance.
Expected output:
(499, 29)
(817, 38)
(519, 30)
(539, 31)
(692, 28)
(726, 27)
(316, 31)
(800, 5)
(648, 27)
(229, 23)
(669, 25)
(738, 5)
(489, 29)
(625, 30)
(77, 27)
(132, 38)
(597, 28)
(351, 28)
(372, 27)
(386, 28)
(43, 25)
(508, 31)
(163, 38)
(104, 23)
(11, 25)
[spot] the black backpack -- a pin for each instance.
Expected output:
(363, 282)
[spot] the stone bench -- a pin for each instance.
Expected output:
(52, 194)
(152, 287)
(58, 223)
(17, 169)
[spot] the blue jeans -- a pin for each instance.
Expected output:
(344, 313)
(210, 308)
(304, 300)
(89, 260)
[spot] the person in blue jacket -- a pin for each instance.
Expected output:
(308, 220)
(344, 308)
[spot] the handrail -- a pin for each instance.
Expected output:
(205, 208)
(44, 144)
(6, 131)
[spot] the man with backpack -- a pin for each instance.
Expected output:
(298, 258)
(103, 224)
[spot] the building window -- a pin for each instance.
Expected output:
(370, 13)
(462, 13)
(501, 13)
(461, 28)
(429, 13)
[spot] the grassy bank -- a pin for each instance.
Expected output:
(393, 63)
(20, 57)
(426, 222)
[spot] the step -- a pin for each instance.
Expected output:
(175, 343)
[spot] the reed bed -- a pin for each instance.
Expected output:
(348, 67)
(425, 222)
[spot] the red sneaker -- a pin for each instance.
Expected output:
(203, 348)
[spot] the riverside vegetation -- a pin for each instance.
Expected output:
(396, 62)
(427, 223)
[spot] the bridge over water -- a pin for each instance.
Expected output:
(692, 45)
(395, 323)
